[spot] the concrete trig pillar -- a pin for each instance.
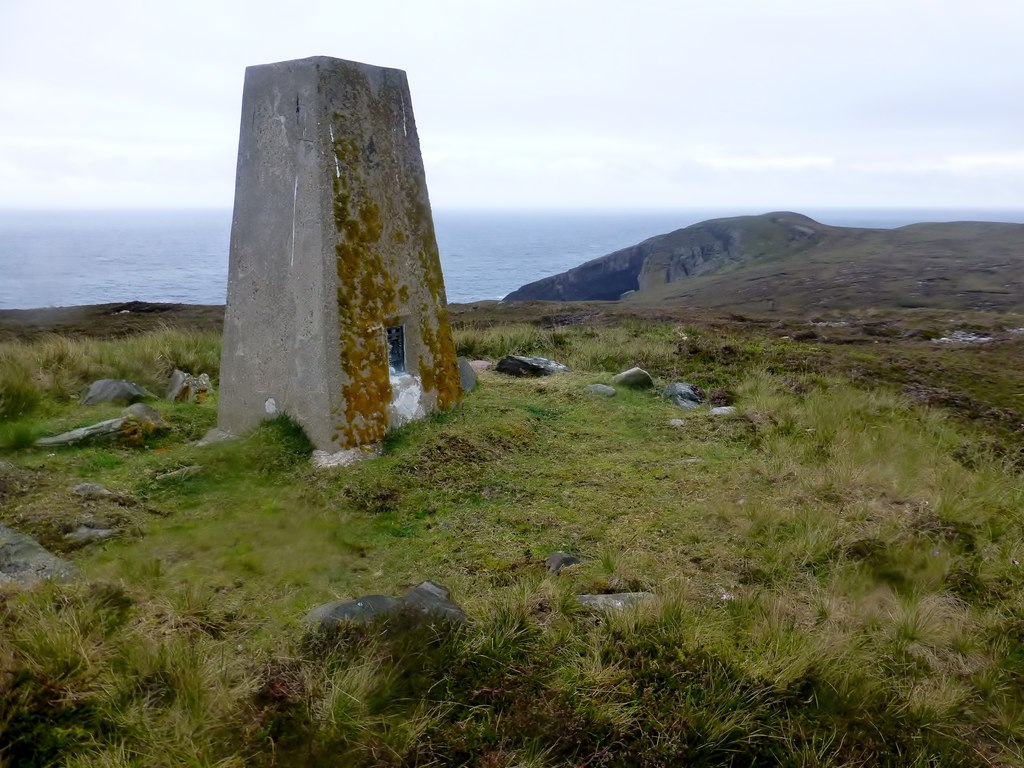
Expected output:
(336, 311)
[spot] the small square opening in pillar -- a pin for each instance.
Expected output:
(396, 348)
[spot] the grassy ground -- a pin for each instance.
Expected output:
(835, 566)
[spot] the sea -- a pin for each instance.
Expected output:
(66, 258)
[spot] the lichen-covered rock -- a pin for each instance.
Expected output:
(114, 391)
(146, 415)
(520, 365)
(24, 561)
(184, 387)
(682, 395)
(636, 378)
(137, 422)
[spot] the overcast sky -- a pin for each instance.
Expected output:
(763, 104)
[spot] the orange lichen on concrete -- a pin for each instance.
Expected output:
(366, 297)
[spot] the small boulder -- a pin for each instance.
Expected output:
(556, 561)
(519, 365)
(432, 600)
(723, 410)
(184, 387)
(362, 609)
(85, 534)
(600, 389)
(481, 365)
(467, 375)
(677, 422)
(146, 415)
(114, 391)
(614, 602)
(636, 378)
(92, 491)
(682, 395)
(427, 600)
(24, 561)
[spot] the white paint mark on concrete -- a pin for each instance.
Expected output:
(270, 406)
(295, 200)
(406, 399)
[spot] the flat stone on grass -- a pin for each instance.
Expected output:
(600, 389)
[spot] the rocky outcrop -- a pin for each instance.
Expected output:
(23, 561)
(703, 248)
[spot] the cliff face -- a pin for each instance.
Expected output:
(603, 278)
(703, 248)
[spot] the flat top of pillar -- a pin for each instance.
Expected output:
(322, 62)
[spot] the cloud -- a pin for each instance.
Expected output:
(761, 163)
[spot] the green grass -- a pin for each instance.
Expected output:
(834, 571)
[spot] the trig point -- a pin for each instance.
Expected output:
(336, 312)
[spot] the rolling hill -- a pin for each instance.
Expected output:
(787, 261)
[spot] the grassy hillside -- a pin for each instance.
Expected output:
(963, 266)
(835, 566)
(785, 262)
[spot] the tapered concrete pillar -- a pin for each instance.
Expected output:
(336, 310)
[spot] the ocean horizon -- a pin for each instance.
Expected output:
(80, 256)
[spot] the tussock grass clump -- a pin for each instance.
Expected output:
(56, 367)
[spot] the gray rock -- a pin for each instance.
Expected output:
(556, 561)
(92, 491)
(723, 410)
(24, 561)
(428, 600)
(614, 602)
(481, 365)
(677, 422)
(600, 389)
(682, 395)
(114, 391)
(362, 609)
(432, 600)
(176, 384)
(85, 534)
(467, 375)
(519, 365)
(637, 378)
